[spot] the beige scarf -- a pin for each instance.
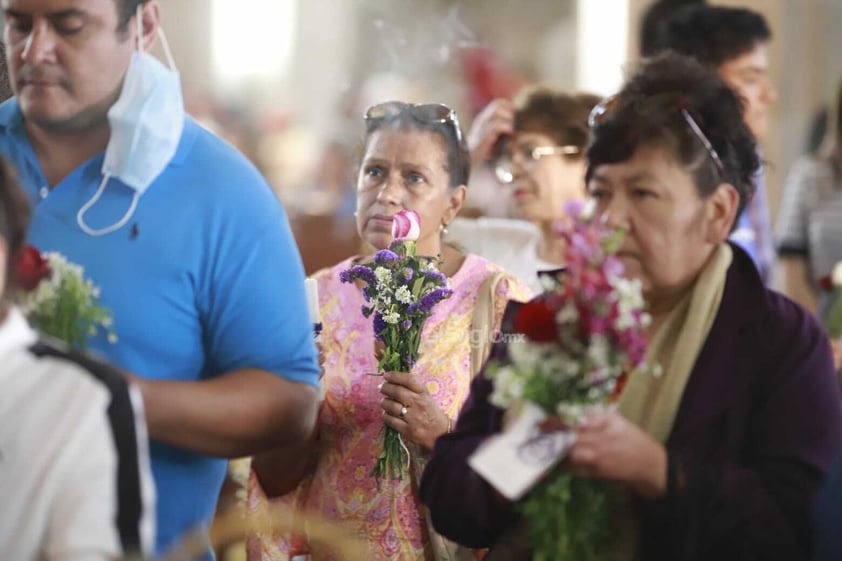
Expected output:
(650, 400)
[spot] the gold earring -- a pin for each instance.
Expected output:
(443, 229)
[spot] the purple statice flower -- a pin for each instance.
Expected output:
(425, 305)
(407, 274)
(358, 272)
(379, 325)
(406, 324)
(386, 256)
(436, 275)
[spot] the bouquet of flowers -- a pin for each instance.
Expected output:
(833, 317)
(401, 290)
(57, 299)
(581, 339)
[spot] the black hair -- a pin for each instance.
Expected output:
(653, 21)
(832, 149)
(14, 217)
(458, 155)
(713, 34)
(712, 105)
(561, 116)
(5, 80)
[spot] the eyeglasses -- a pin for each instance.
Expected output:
(658, 103)
(423, 112)
(529, 157)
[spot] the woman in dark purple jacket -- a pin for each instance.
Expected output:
(758, 422)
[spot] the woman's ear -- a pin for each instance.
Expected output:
(456, 199)
(722, 212)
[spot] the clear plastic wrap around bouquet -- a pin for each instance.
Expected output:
(58, 300)
(581, 339)
(402, 288)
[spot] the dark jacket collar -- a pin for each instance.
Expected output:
(726, 360)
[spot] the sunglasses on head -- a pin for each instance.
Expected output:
(422, 112)
(658, 104)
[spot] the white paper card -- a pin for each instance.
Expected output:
(516, 459)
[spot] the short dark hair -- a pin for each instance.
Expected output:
(653, 21)
(832, 148)
(14, 217)
(125, 10)
(561, 116)
(458, 155)
(713, 34)
(5, 80)
(711, 104)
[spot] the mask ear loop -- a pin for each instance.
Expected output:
(80, 216)
(138, 17)
(166, 45)
(161, 35)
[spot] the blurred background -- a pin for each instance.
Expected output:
(287, 81)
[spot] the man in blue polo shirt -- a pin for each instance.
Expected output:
(191, 249)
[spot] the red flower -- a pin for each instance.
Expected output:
(826, 283)
(536, 320)
(30, 268)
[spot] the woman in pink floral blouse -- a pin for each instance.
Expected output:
(415, 158)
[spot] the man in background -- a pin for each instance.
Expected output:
(734, 42)
(190, 247)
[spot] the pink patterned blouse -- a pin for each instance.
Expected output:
(390, 521)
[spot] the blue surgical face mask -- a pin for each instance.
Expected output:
(146, 126)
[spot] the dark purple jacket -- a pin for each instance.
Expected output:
(758, 427)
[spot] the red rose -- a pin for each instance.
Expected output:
(536, 320)
(30, 268)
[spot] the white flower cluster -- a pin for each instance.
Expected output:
(44, 296)
(387, 294)
(595, 373)
(629, 300)
(403, 295)
(66, 280)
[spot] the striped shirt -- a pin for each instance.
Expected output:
(74, 466)
(810, 218)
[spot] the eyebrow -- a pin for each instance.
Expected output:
(641, 176)
(753, 70)
(402, 165)
(60, 14)
(421, 167)
(634, 178)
